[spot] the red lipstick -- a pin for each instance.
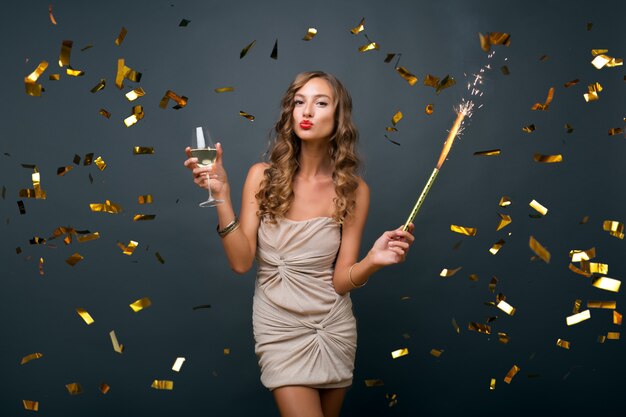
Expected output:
(306, 124)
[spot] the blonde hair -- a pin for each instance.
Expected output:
(276, 192)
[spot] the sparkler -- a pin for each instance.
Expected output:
(462, 111)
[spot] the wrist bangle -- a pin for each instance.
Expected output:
(355, 285)
(231, 227)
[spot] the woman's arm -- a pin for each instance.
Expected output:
(390, 248)
(240, 244)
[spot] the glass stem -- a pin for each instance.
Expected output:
(208, 178)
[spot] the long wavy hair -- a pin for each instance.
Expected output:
(276, 191)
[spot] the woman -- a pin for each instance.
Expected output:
(302, 218)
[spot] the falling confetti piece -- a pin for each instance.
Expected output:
(490, 152)
(245, 50)
(107, 207)
(246, 115)
(547, 159)
(504, 338)
(464, 230)
(310, 34)
(388, 58)
(32, 88)
(492, 384)
(359, 28)
(493, 38)
(608, 305)
(400, 352)
(178, 363)
(449, 272)
(578, 255)
(372, 46)
(184, 23)
(404, 73)
(473, 277)
(563, 343)
(512, 372)
(224, 89)
(613, 335)
(100, 86)
(137, 115)
(577, 318)
(125, 72)
(202, 306)
(504, 201)
(617, 318)
(145, 199)
(163, 384)
(116, 346)
(74, 259)
(396, 117)
(66, 51)
(436, 352)
(615, 131)
(543, 58)
(143, 217)
(392, 399)
(104, 388)
(446, 82)
(105, 113)
(430, 108)
(181, 101)
(226, 351)
(505, 220)
(571, 83)
(143, 150)
(31, 357)
(479, 327)
(74, 388)
(505, 70)
(606, 283)
(64, 170)
(539, 250)
(84, 315)
(121, 36)
(544, 106)
(497, 246)
(21, 207)
(159, 258)
(52, 19)
(133, 95)
(140, 304)
(31, 405)
(506, 307)
(374, 383)
(529, 128)
(128, 249)
(614, 228)
(274, 54)
(455, 325)
(100, 163)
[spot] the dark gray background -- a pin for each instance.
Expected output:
(38, 312)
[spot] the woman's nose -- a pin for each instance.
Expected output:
(307, 110)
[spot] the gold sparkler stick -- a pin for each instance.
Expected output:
(463, 111)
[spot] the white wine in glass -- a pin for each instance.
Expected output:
(203, 148)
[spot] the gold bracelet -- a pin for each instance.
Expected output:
(350, 277)
(231, 227)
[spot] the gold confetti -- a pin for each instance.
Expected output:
(563, 343)
(100, 163)
(159, 258)
(391, 129)
(571, 83)
(446, 82)
(492, 284)
(539, 250)
(584, 220)
(310, 34)
(74, 388)
(105, 113)
(577, 305)
(600, 60)
(505, 220)
(594, 267)
(490, 152)
(577, 318)
(41, 272)
(582, 255)
(606, 283)
(245, 50)
(74, 259)
(74, 73)
(100, 86)
(129, 249)
(615, 131)
(52, 19)
(64, 170)
(596, 52)
(493, 38)
(133, 95)
(479, 327)
(181, 101)
(449, 272)
(529, 128)
(389, 57)
(359, 28)
(224, 89)
(107, 207)
(163, 384)
(503, 338)
(392, 399)
(54, 77)
(568, 128)
(32, 88)
(431, 81)
(121, 36)
(404, 73)
(142, 217)
(124, 72)
(506, 307)
(429, 109)
(140, 304)
(592, 92)
(547, 159)
(374, 383)
(613, 335)
(88, 159)
(512, 372)
(436, 352)
(504, 201)
(178, 363)
(455, 325)
(104, 388)
(617, 318)
(64, 56)
(87, 237)
(137, 115)
(497, 246)
(372, 46)
(31, 357)
(274, 54)
(143, 150)
(492, 384)
(119, 348)
(31, 405)
(614, 228)
(396, 117)
(145, 199)
(505, 70)
(84, 315)
(464, 230)
(473, 277)
(226, 351)
(608, 305)
(400, 352)
(544, 106)
(246, 115)
(543, 58)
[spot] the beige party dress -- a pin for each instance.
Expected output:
(305, 332)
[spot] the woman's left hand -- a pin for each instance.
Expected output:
(392, 247)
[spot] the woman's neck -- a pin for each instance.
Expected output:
(314, 160)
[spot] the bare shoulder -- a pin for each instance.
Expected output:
(362, 191)
(256, 173)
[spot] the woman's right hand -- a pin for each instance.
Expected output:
(217, 173)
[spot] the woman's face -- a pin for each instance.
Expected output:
(314, 110)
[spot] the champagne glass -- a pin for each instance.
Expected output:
(202, 147)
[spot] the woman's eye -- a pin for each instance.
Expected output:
(322, 103)
(298, 102)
